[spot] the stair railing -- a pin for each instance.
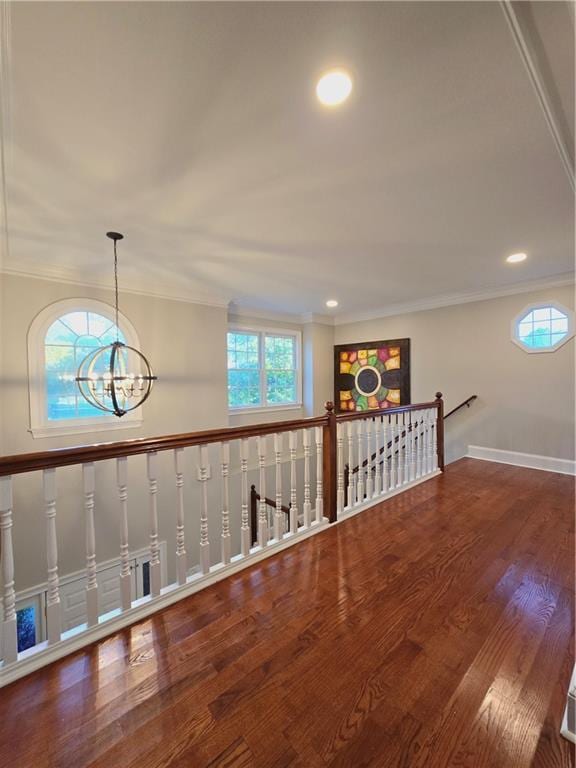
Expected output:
(217, 525)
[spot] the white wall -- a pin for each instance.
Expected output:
(526, 401)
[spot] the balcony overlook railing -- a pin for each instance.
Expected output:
(220, 526)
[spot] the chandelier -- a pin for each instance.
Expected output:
(116, 378)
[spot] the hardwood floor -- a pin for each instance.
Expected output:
(433, 630)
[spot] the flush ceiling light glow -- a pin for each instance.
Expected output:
(516, 258)
(334, 87)
(331, 303)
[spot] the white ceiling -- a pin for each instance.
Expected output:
(193, 129)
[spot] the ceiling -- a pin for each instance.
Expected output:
(193, 128)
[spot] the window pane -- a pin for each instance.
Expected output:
(280, 352)
(243, 388)
(98, 325)
(58, 333)
(541, 314)
(77, 322)
(280, 387)
(560, 325)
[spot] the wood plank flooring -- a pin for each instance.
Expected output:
(433, 630)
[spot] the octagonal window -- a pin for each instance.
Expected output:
(543, 327)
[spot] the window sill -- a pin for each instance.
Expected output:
(77, 429)
(265, 409)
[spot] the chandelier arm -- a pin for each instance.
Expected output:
(117, 410)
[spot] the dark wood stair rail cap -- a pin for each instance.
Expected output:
(62, 457)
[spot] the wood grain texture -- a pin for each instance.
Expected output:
(433, 630)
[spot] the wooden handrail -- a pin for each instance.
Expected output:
(62, 457)
(462, 404)
(269, 502)
(387, 411)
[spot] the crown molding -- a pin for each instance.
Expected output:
(536, 77)
(457, 298)
(303, 318)
(243, 311)
(314, 317)
(161, 292)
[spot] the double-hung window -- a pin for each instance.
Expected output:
(264, 369)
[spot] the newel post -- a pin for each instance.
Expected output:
(440, 431)
(329, 463)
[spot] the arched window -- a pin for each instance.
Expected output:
(58, 340)
(543, 327)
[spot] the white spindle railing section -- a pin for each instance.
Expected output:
(401, 449)
(325, 468)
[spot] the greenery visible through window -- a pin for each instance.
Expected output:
(542, 328)
(68, 340)
(262, 369)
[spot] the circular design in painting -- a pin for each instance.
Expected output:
(368, 380)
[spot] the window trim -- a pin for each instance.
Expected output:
(40, 425)
(262, 332)
(542, 305)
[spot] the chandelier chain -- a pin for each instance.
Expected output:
(116, 291)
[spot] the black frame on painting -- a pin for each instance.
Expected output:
(402, 374)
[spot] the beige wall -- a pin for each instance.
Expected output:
(319, 367)
(526, 401)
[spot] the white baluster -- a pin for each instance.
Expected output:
(293, 444)
(393, 424)
(412, 424)
(406, 447)
(307, 506)
(125, 576)
(428, 442)
(319, 476)
(225, 532)
(351, 465)
(245, 521)
(203, 471)
(385, 466)
(369, 481)
(377, 469)
(181, 564)
(360, 478)
(278, 513)
(53, 617)
(89, 481)
(418, 442)
(262, 511)
(155, 574)
(9, 638)
(434, 426)
(340, 468)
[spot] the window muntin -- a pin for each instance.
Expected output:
(263, 369)
(542, 327)
(68, 340)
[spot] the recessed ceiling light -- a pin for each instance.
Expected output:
(334, 87)
(515, 258)
(331, 303)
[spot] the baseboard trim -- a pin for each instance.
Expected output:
(518, 459)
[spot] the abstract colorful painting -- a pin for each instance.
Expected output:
(371, 375)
